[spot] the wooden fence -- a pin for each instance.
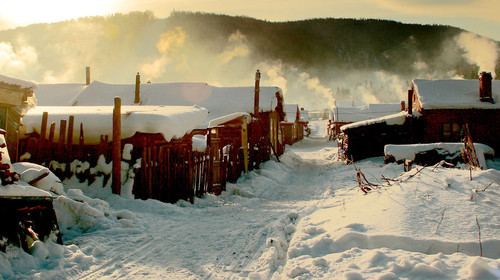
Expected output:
(169, 170)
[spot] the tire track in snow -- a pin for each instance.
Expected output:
(216, 242)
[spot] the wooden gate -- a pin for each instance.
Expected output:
(170, 172)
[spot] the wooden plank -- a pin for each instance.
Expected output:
(51, 133)
(43, 130)
(62, 138)
(244, 144)
(71, 127)
(116, 151)
(43, 134)
(11, 97)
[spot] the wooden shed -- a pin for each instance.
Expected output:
(345, 113)
(294, 124)
(16, 98)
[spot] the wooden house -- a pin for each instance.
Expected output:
(267, 105)
(294, 124)
(290, 125)
(447, 106)
(366, 139)
(437, 111)
(16, 98)
(246, 131)
(345, 113)
(159, 134)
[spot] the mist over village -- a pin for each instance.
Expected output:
(205, 145)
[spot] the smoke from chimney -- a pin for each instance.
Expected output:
(480, 51)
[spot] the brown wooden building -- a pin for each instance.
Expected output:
(16, 98)
(446, 106)
(437, 111)
(247, 133)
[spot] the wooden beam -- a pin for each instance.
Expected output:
(244, 143)
(71, 128)
(117, 158)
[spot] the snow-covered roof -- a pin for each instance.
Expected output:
(453, 94)
(220, 101)
(172, 121)
(19, 82)
(304, 115)
(349, 103)
(394, 119)
(228, 118)
(356, 114)
(57, 94)
(291, 112)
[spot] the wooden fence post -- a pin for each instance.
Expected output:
(71, 128)
(117, 159)
(244, 143)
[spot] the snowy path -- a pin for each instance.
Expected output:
(301, 218)
(229, 236)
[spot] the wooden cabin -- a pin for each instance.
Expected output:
(267, 105)
(447, 106)
(366, 139)
(16, 98)
(437, 111)
(345, 113)
(263, 108)
(160, 138)
(294, 124)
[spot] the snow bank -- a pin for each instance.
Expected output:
(171, 121)
(422, 225)
(401, 152)
(22, 189)
(30, 171)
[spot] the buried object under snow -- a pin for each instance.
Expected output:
(26, 213)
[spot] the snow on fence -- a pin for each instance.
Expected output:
(160, 169)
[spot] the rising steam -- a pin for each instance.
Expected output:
(170, 42)
(16, 61)
(480, 51)
(117, 48)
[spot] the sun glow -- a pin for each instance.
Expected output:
(25, 12)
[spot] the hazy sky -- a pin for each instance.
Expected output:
(480, 16)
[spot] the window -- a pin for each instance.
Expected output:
(452, 131)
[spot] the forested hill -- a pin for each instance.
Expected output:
(323, 43)
(331, 57)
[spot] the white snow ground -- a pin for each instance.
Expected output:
(301, 218)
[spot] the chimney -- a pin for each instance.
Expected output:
(403, 106)
(410, 101)
(137, 99)
(257, 93)
(87, 71)
(485, 87)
